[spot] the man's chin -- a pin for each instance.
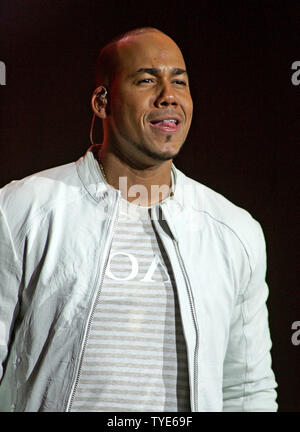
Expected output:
(161, 155)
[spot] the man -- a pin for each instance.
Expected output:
(125, 285)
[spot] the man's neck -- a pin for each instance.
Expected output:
(143, 187)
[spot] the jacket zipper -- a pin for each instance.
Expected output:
(192, 306)
(83, 348)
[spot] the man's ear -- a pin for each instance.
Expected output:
(99, 102)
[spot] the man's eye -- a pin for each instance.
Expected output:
(180, 82)
(145, 80)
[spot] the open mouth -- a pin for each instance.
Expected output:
(166, 125)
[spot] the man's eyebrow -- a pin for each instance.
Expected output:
(178, 71)
(156, 71)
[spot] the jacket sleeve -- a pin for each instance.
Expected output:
(248, 380)
(9, 288)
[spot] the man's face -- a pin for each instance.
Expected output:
(150, 108)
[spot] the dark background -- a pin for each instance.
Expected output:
(244, 140)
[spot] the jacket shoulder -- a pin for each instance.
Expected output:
(229, 216)
(20, 198)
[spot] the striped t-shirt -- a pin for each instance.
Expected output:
(135, 357)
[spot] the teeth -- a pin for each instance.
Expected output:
(170, 120)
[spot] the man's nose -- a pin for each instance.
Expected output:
(166, 96)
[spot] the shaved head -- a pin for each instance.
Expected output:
(108, 59)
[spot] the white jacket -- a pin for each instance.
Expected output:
(56, 229)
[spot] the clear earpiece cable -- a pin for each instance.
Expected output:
(92, 129)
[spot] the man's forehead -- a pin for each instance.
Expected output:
(153, 50)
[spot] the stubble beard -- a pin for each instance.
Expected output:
(159, 156)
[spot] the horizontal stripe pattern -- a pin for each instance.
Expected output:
(135, 358)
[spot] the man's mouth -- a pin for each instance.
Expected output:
(166, 124)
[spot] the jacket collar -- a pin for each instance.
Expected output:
(90, 175)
